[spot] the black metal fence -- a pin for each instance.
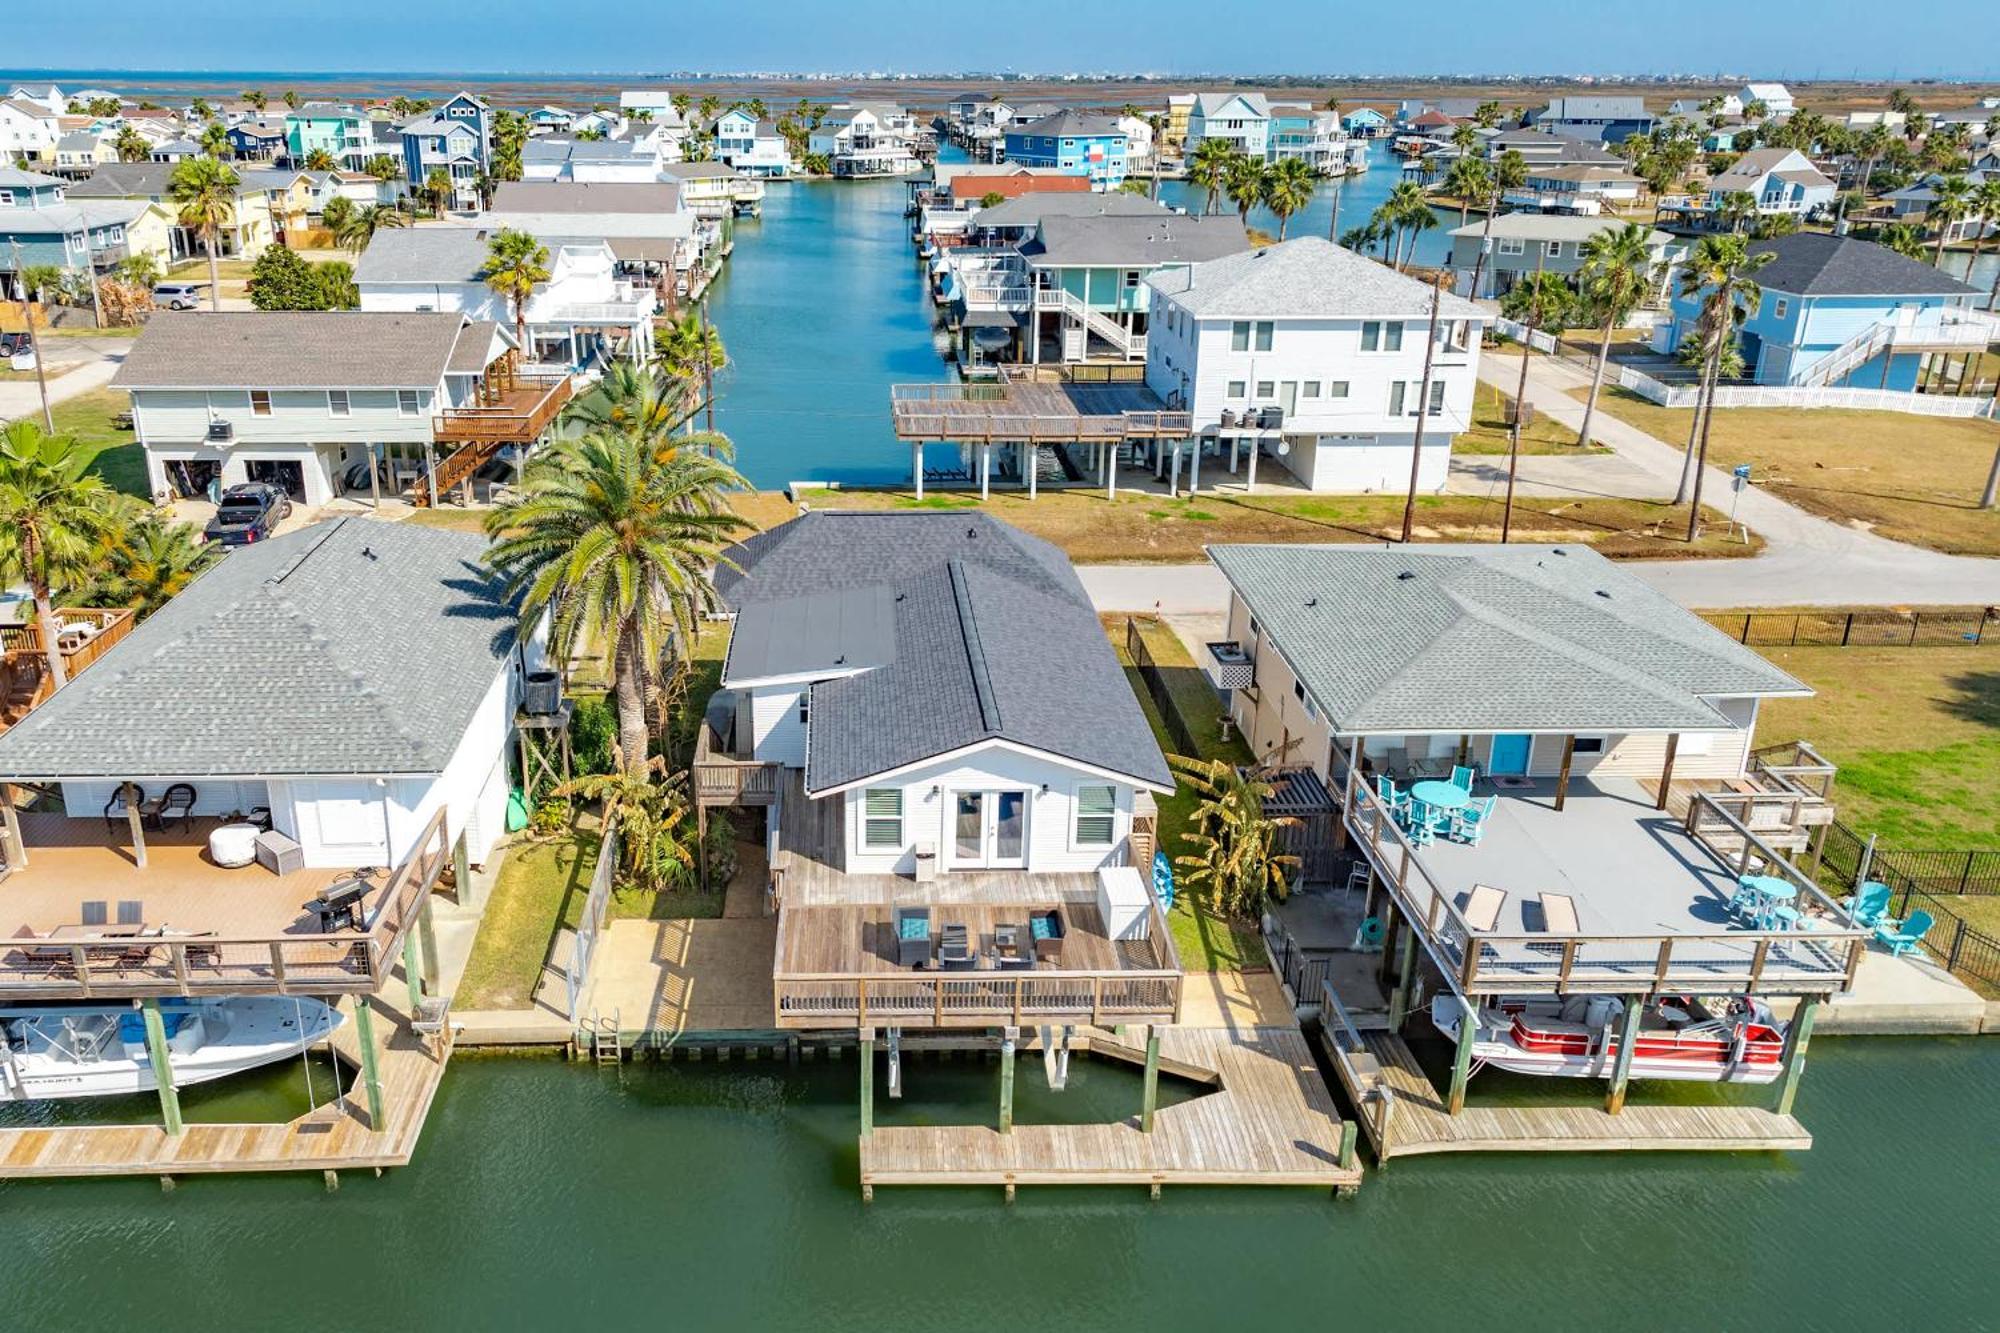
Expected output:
(1305, 973)
(1921, 881)
(1860, 629)
(1156, 685)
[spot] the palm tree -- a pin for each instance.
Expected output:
(1873, 146)
(1903, 238)
(710, 105)
(1437, 281)
(1244, 184)
(54, 513)
(1985, 206)
(628, 398)
(1208, 168)
(681, 103)
(359, 226)
(1157, 122)
(651, 810)
(1719, 273)
(1289, 187)
(321, 160)
(215, 141)
(150, 562)
(1406, 211)
(383, 168)
(1467, 179)
(1236, 865)
(1736, 207)
(1951, 201)
(688, 349)
(516, 263)
(1539, 301)
(1358, 239)
(1486, 115)
(1509, 171)
(612, 538)
(204, 194)
(132, 146)
(1614, 278)
(438, 190)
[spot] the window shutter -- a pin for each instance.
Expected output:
(1096, 816)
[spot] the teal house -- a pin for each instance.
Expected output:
(340, 131)
(1087, 277)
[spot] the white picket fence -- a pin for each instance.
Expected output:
(1763, 395)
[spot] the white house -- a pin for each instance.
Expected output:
(714, 189)
(1776, 97)
(1242, 120)
(28, 130)
(1314, 355)
(645, 225)
(352, 678)
(866, 139)
(751, 146)
(587, 310)
(940, 687)
(1782, 180)
(307, 400)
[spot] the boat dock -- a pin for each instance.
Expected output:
(1269, 1121)
(339, 1135)
(1404, 1115)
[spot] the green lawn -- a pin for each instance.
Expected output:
(118, 457)
(1915, 732)
(541, 886)
(1489, 431)
(1207, 943)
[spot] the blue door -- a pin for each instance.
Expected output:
(1510, 754)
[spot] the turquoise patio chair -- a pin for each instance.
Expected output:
(1468, 823)
(1900, 941)
(1369, 938)
(1398, 802)
(1870, 905)
(1463, 778)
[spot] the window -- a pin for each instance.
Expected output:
(1779, 309)
(1131, 278)
(882, 817)
(1239, 336)
(1336, 388)
(337, 404)
(805, 707)
(1096, 816)
(1264, 329)
(1266, 389)
(1309, 389)
(1396, 391)
(260, 402)
(1589, 745)
(6, 198)
(1554, 249)
(409, 402)
(1235, 389)
(1392, 337)
(1371, 335)
(1512, 245)
(1437, 398)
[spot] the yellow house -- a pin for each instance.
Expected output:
(1180, 106)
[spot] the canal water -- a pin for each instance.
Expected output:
(704, 1196)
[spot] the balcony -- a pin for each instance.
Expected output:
(720, 779)
(83, 634)
(509, 407)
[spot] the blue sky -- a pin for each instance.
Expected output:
(1777, 38)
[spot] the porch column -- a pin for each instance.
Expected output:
(1250, 481)
(136, 824)
(430, 472)
(1174, 472)
(374, 480)
(1009, 1036)
(1235, 445)
(14, 852)
(1194, 467)
(1621, 1066)
(371, 1073)
(917, 469)
(1464, 749)
(1562, 777)
(1406, 968)
(163, 1067)
(1797, 1037)
(986, 470)
(1347, 793)
(1150, 1098)
(461, 873)
(866, 1049)
(1111, 472)
(413, 973)
(1461, 1060)
(1667, 769)
(427, 937)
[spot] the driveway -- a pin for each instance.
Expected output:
(75, 366)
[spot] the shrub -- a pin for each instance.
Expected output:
(593, 736)
(720, 844)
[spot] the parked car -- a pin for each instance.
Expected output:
(17, 350)
(179, 295)
(248, 513)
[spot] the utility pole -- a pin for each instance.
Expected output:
(1521, 396)
(34, 342)
(707, 366)
(1423, 405)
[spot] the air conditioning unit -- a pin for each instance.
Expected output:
(221, 432)
(1230, 667)
(541, 695)
(1271, 418)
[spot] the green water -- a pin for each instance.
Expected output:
(704, 1196)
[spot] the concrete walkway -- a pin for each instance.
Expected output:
(21, 398)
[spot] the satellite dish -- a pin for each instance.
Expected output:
(1284, 446)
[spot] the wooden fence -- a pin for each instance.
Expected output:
(596, 907)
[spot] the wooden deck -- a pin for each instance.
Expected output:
(1033, 412)
(336, 1137)
(1412, 1120)
(1270, 1121)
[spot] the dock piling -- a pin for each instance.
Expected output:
(371, 1073)
(1008, 1038)
(1621, 1067)
(1152, 1084)
(163, 1068)
(1797, 1037)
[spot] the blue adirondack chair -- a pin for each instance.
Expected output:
(1398, 802)
(1870, 906)
(1469, 822)
(1463, 778)
(1901, 940)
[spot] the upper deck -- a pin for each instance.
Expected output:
(1036, 412)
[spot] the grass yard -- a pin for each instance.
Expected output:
(541, 887)
(1207, 943)
(1488, 435)
(116, 452)
(1915, 731)
(1915, 479)
(1141, 528)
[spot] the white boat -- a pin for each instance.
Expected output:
(1576, 1036)
(99, 1050)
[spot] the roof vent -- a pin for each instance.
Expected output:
(1406, 576)
(1557, 550)
(971, 533)
(1605, 595)
(1312, 602)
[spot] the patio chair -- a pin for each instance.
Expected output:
(1396, 802)
(116, 811)
(1904, 939)
(131, 912)
(1046, 929)
(1870, 905)
(177, 802)
(1463, 777)
(955, 949)
(1482, 906)
(1468, 823)
(95, 912)
(913, 936)
(1357, 879)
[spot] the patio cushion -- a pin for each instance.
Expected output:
(913, 928)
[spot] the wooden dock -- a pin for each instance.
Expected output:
(1270, 1121)
(1412, 1120)
(335, 1137)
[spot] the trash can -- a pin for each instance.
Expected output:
(927, 867)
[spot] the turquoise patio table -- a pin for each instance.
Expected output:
(1441, 795)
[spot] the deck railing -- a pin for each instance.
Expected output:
(101, 627)
(1818, 960)
(111, 966)
(507, 422)
(722, 780)
(985, 997)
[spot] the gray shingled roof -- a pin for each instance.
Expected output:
(1552, 227)
(1306, 277)
(1134, 242)
(291, 349)
(1028, 209)
(349, 647)
(437, 254)
(586, 197)
(994, 640)
(1811, 263)
(1405, 639)
(1067, 123)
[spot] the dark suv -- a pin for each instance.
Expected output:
(248, 513)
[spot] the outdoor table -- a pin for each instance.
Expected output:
(1771, 888)
(1441, 795)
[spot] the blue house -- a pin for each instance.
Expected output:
(1364, 122)
(1070, 141)
(258, 140)
(1846, 313)
(456, 137)
(1598, 119)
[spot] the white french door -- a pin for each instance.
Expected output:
(989, 829)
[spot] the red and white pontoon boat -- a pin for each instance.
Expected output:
(1576, 1036)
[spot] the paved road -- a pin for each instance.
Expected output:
(20, 398)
